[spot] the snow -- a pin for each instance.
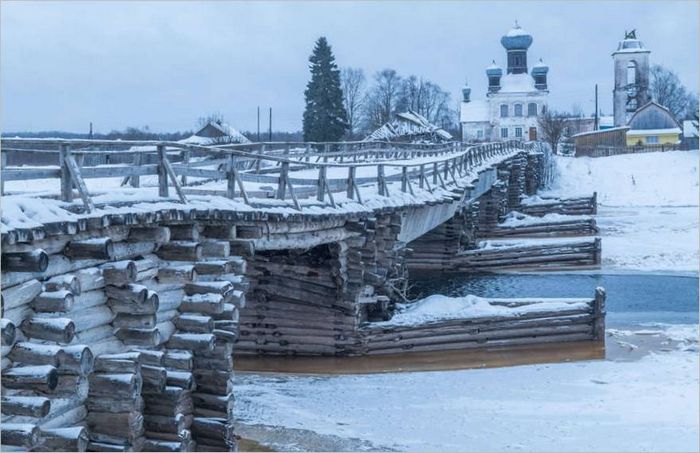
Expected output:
(690, 128)
(672, 130)
(440, 308)
(516, 31)
(518, 219)
(474, 111)
(646, 405)
(517, 83)
(648, 213)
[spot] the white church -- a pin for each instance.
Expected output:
(513, 100)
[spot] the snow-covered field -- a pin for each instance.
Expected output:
(643, 397)
(648, 213)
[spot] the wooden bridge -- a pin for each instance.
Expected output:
(133, 271)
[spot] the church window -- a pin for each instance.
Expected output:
(504, 132)
(532, 109)
(518, 110)
(504, 110)
(518, 132)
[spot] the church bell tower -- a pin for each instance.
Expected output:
(631, 77)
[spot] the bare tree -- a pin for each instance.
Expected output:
(216, 117)
(552, 124)
(666, 88)
(352, 81)
(383, 98)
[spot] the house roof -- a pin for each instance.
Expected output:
(671, 130)
(654, 105)
(474, 111)
(601, 131)
(408, 124)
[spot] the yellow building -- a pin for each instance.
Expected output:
(652, 124)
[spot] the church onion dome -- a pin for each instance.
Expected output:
(516, 39)
(493, 69)
(540, 68)
(466, 92)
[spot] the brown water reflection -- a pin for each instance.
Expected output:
(427, 361)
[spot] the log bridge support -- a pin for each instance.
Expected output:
(119, 329)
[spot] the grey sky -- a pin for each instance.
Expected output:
(163, 64)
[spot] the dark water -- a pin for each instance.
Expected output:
(631, 299)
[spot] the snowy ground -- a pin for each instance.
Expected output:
(649, 404)
(643, 397)
(648, 213)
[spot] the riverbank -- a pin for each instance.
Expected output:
(622, 403)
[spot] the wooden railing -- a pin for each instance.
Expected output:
(425, 166)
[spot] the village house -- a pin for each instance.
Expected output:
(409, 127)
(513, 101)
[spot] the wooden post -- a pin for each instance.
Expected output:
(66, 184)
(186, 163)
(381, 182)
(435, 173)
(599, 314)
(351, 183)
(320, 188)
(282, 181)
(422, 176)
(231, 178)
(135, 180)
(162, 173)
(404, 179)
(3, 165)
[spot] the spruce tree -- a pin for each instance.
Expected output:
(325, 119)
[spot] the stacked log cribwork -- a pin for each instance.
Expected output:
(103, 296)
(436, 249)
(494, 255)
(493, 205)
(565, 206)
(534, 177)
(516, 180)
(532, 322)
(573, 226)
(114, 403)
(312, 302)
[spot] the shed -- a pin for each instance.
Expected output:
(588, 142)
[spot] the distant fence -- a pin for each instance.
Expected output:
(604, 151)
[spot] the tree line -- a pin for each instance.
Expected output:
(342, 104)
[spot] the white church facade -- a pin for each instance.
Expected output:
(513, 101)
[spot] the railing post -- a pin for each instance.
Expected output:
(404, 179)
(186, 163)
(3, 165)
(282, 181)
(308, 152)
(321, 187)
(136, 179)
(326, 150)
(257, 162)
(66, 182)
(381, 182)
(162, 172)
(435, 173)
(599, 314)
(351, 183)
(422, 176)
(231, 177)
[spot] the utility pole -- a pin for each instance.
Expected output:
(269, 130)
(595, 124)
(90, 129)
(258, 123)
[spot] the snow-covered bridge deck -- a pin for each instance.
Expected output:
(309, 180)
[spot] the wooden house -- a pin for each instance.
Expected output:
(653, 124)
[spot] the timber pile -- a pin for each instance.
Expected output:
(493, 205)
(534, 175)
(126, 298)
(565, 206)
(536, 255)
(435, 249)
(310, 302)
(577, 320)
(574, 226)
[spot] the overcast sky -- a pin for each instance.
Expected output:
(162, 64)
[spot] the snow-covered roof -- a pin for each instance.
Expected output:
(672, 130)
(406, 125)
(220, 131)
(601, 131)
(607, 121)
(474, 111)
(517, 83)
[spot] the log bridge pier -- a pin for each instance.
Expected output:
(123, 307)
